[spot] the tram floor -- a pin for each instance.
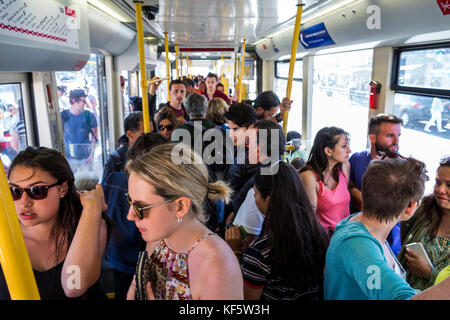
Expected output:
(107, 280)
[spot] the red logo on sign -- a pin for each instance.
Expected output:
(264, 47)
(444, 5)
(70, 12)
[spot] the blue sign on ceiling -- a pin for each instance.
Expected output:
(315, 36)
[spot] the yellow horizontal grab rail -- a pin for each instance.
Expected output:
(14, 257)
(150, 82)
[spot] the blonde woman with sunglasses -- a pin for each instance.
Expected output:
(185, 260)
(64, 231)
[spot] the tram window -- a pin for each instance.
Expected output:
(295, 114)
(340, 94)
(281, 80)
(13, 137)
(282, 69)
(83, 150)
(425, 69)
(425, 133)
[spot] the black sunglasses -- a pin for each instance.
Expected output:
(445, 160)
(162, 127)
(35, 193)
(140, 211)
(394, 155)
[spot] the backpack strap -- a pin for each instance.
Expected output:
(64, 116)
(87, 114)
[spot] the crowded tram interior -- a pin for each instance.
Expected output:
(225, 150)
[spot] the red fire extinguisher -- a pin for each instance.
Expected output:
(375, 88)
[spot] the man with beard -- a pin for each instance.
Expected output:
(384, 135)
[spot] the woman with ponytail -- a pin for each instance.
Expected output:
(184, 259)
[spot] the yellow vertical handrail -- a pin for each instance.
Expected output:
(235, 68)
(187, 67)
(181, 66)
(166, 46)
(295, 40)
(140, 37)
(177, 53)
(221, 70)
(241, 72)
(14, 257)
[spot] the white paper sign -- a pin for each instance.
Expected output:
(47, 21)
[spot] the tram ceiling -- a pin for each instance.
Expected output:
(215, 23)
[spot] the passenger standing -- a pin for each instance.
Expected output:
(185, 259)
(359, 263)
(267, 144)
(211, 89)
(177, 92)
(215, 112)
(267, 104)
(202, 86)
(436, 115)
(166, 122)
(384, 136)
(430, 226)
(134, 128)
(61, 228)
(125, 241)
(325, 176)
(287, 260)
(210, 141)
(80, 130)
(190, 87)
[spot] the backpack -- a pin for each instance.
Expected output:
(79, 151)
(87, 114)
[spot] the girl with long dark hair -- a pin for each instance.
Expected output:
(430, 226)
(286, 261)
(326, 176)
(63, 230)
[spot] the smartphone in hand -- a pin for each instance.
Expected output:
(418, 248)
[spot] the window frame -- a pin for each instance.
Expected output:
(440, 93)
(286, 78)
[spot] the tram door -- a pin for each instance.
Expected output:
(16, 125)
(85, 134)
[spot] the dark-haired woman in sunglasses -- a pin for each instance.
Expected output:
(166, 122)
(64, 232)
(431, 227)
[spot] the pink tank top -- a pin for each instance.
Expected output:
(332, 205)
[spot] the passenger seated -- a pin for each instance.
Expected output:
(326, 175)
(125, 241)
(287, 260)
(185, 259)
(430, 226)
(61, 227)
(360, 264)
